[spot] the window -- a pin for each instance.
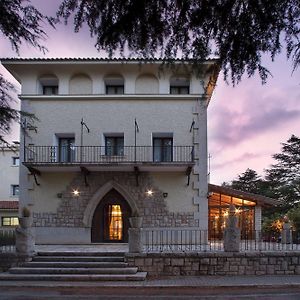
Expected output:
(162, 149)
(9, 221)
(16, 161)
(66, 150)
(50, 90)
(114, 85)
(114, 145)
(48, 85)
(179, 85)
(15, 190)
(114, 89)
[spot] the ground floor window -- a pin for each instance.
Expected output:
(9, 221)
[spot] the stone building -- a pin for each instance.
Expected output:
(114, 138)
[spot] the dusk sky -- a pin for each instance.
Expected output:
(246, 124)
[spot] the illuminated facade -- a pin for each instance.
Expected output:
(117, 137)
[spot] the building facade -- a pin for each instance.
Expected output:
(9, 187)
(113, 139)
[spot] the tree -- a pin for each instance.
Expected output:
(237, 32)
(18, 23)
(284, 175)
(249, 181)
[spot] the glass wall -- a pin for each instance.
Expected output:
(218, 209)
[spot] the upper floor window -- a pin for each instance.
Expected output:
(114, 85)
(9, 221)
(15, 190)
(48, 85)
(162, 148)
(16, 161)
(179, 85)
(66, 147)
(114, 145)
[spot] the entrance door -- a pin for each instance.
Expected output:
(111, 219)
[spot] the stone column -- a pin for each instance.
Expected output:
(25, 243)
(232, 234)
(135, 240)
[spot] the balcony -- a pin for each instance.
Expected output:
(100, 158)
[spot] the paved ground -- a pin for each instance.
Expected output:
(187, 288)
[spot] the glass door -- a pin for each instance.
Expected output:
(162, 149)
(66, 149)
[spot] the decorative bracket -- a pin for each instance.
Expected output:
(188, 174)
(85, 172)
(137, 173)
(34, 172)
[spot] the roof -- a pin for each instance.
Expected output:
(259, 199)
(100, 59)
(9, 204)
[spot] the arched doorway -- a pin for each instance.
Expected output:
(111, 219)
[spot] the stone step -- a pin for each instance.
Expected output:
(79, 258)
(73, 264)
(20, 270)
(75, 277)
(77, 253)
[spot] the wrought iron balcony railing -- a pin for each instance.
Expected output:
(108, 155)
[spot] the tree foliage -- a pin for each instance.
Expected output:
(284, 175)
(239, 32)
(19, 22)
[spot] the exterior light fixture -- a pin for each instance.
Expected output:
(149, 193)
(75, 193)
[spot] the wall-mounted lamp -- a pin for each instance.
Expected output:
(75, 193)
(149, 193)
(59, 195)
(165, 195)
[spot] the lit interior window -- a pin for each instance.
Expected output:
(115, 223)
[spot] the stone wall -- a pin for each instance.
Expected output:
(219, 263)
(71, 210)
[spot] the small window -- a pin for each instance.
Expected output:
(114, 89)
(16, 161)
(48, 85)
(114, 145)
(15, 190)
(50, 90)
(9, 221)
(114, 85)
(179, 86)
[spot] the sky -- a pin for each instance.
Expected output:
(246, 123)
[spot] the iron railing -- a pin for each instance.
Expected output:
(7, 239)
(196, 240)
(108, 155)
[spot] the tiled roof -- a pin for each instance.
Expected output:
(97, 59)
(9, 204)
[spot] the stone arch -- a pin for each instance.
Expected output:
(80, 84)
(147, 84)
(98, 196)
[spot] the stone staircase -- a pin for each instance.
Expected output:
(75, 266)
